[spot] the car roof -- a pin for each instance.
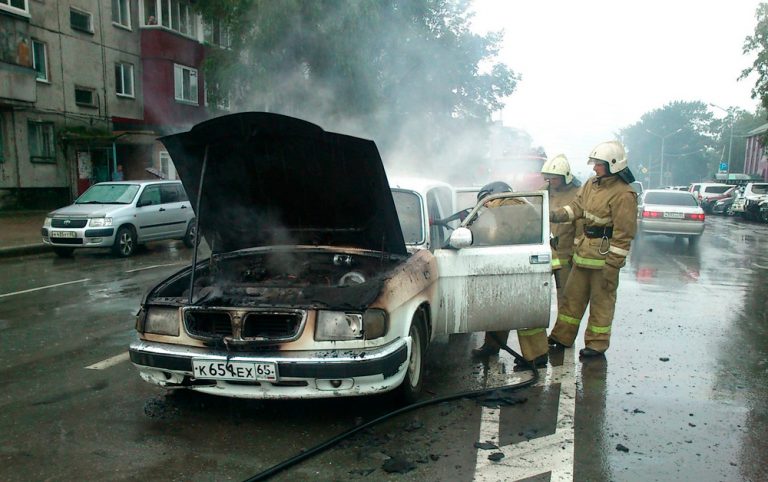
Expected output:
(418, 184)
(674, 192)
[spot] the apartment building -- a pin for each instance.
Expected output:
(86, 85)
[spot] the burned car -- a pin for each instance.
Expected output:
(310, 289)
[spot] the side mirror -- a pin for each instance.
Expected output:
(461, 238)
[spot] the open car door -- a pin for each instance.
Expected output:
(497, 274)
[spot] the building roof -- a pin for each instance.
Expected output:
(758, 130)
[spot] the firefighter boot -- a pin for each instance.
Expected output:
(490, 346)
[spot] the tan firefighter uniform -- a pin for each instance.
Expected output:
(565, 233)
(533, 342)
(608, 207)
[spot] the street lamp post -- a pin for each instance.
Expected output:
(730, 142)
(663, 138)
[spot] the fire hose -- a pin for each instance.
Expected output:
(277, 468)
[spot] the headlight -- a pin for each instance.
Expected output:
(337, 325)
(162, 321)
(100, 222)
(47, 223)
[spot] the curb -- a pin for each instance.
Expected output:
(24, 249)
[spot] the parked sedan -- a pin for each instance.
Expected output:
(674, 213)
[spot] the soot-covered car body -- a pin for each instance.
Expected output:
(310, 290)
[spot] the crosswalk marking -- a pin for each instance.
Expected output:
(552, 453)
(109, 362)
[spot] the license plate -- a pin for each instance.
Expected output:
(63, 234)
(232, 370)
(674, 215)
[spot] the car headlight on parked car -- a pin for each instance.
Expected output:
(47, 223)
(162, 321)
(100, 222)
(338, 325)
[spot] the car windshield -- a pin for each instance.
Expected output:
(760, 188)
(670, 198)
(109, 194)
(408, 206)
(716, 189)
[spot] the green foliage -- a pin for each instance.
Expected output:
(759, 43)
(370, 68)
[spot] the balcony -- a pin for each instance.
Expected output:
(17, 85)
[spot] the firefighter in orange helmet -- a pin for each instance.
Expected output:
(563, 188)
(607, 204)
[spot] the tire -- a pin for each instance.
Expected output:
(410, 389)
(189, 236)
(64, 252)
(125, 242)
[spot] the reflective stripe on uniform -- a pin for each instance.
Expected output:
(569, 211)
(619, 251)
(556, 263)
(596, 219)
(588, 261)
(599, 329)
(568, 319)
(531, 332)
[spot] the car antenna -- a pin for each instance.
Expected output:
(197, 235)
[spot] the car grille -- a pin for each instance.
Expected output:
(66, 240)
(68, 223)
(208, 324)
(271, 325)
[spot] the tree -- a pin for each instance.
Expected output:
(759, 43)
(406, 73)
(686, 129)
(730, 142)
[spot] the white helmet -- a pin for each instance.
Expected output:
(612, 153)
(558, 166)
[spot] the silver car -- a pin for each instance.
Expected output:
(674, 213)
(121, 215)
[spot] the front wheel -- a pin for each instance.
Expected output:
(410, 390)
(125, 242)
(191, 234)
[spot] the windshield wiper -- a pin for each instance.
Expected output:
(93, 202)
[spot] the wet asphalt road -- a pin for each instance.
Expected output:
(683, 388)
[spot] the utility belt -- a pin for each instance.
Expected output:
(598, 231)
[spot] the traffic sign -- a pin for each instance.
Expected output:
(723, 166)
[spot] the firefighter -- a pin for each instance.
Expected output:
(562, 187)
(533, 342)
(607, 204)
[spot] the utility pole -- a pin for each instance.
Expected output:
(663, 138)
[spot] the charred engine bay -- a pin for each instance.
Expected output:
(283, 278)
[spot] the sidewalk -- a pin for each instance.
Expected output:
(20, 233)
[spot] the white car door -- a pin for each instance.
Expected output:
(502, 280)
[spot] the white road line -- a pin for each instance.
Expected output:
(151, 267)
(759, 266)
(109, 362)
(44, 287)
(552, 453)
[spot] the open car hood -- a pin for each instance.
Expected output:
(270, 179)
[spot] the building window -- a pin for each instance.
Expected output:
(176, 15)
(185, 81)
(215, 33)
(40, 60)
(124, 79)
(41, 147)
(15, 6)
(167, 169)
(85, 96)
(80, 20)
(121, 13)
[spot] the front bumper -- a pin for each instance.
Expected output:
(682, 227)
(304, 374)
(82, 237)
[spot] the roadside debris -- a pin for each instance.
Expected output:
(485, 445)
(498, 398)
(496, 456)
(398, 465)
(621, 448)
(664, 359)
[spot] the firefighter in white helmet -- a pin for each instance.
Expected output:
(563, 188)
(607, 204)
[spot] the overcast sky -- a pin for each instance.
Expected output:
(590, 68)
